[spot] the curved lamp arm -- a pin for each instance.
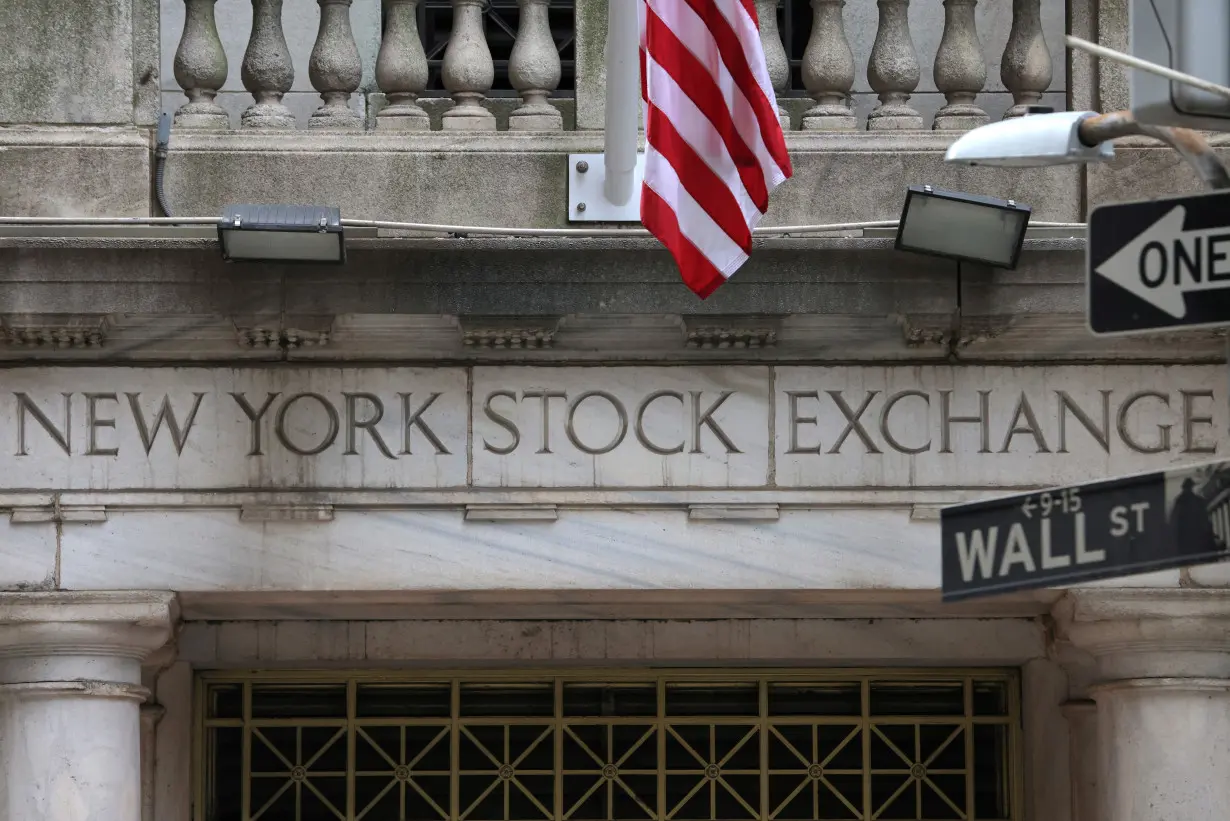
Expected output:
(1193, 147)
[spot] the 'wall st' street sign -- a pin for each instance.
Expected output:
(1159, 264)
(1098, 530)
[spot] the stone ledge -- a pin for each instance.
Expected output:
(567, 142)
(513, 180)
(238, 605)
(143, 608)
(75, 172)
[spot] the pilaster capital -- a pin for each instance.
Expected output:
(1171, 633)
(124, 624)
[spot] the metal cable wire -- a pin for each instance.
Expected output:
(476, 230)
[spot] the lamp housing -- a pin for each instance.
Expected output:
(1032, 141)
(962, 227)
(282, 233)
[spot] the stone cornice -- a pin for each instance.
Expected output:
(1116, 604)
(129, 624)
(1149, 632)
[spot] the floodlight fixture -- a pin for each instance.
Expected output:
(1038, 139)
(282, 233)
(962, 227)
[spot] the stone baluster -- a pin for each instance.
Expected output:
(960, 68)
(468, 70)
(267, 70)
(401, 68)
(1026, 66)
(893, 69)
(534, 69)
(335, 68)
(774, 53)
(828, 69)
(200, 68)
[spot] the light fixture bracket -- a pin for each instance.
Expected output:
(960, 233)
(273, 224)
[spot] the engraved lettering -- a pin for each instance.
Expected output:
(354, 424)
(793, 398)
(1024, 409)
(93, 422)
(503, 421)
(706, 418)
(620, 413)
(889, 404)
(1068, 405)
(642, 436)
(62, 437)
(1190, 421)
(853, 425)
(415, 420)
(1163, 431)
(279, 424)
(179, 436)
(1217, 271)
(947, 420)
(546, 397)
(254, 418)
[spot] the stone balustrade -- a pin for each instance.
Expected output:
(389, 89)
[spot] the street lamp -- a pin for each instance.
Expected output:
(1067, 137)
(282, 233)
(962, 227)
(1037, 139)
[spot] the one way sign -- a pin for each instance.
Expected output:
(1159, 264)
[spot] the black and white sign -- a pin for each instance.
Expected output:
(1098, 530)
(1159, 264)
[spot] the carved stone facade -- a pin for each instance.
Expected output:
(497, 453)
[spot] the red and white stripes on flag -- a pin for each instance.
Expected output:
(715, 148)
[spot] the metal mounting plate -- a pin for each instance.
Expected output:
(586, 200)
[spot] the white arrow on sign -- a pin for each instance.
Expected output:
(1165, 262)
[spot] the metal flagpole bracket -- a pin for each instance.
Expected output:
(587, 200)
(605, 187)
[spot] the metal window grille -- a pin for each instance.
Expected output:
(794, 23)
(500, 19)
(655, 745)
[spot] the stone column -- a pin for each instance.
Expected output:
(70, 702)
(1082, 757)
(1163, 699)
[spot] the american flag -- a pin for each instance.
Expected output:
(715, 146)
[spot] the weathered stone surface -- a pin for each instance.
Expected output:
(27, 556)
(1019, 428)
(587, 548)
(70, 62)
(73, 173)
(162, 428)
(1139, 172)
(616, 427)
(633, 427)
(514, 180)
(732, 641)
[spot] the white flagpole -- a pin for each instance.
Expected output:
(623, 94)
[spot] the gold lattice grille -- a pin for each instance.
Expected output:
(627, 746)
